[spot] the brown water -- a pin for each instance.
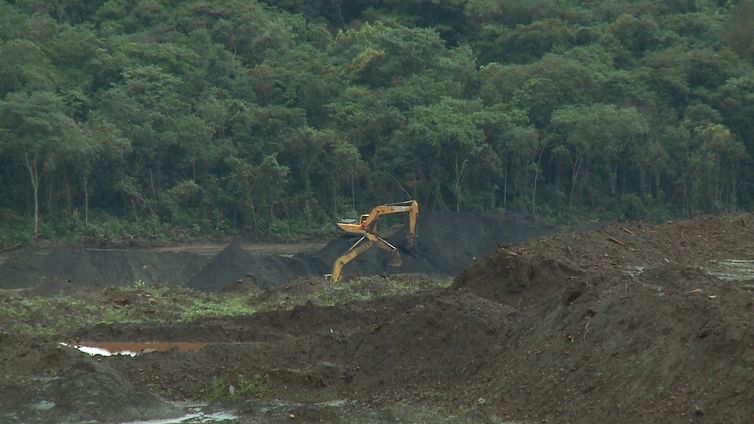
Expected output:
(133, 348)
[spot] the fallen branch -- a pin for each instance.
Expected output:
(616, 241)
(626, 230)
(506, 249)
(8, 249)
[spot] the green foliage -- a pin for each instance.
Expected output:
(15, 227)
(241, 387)
(223, 307)
(140, 303)
(360, 289)
(184, 119)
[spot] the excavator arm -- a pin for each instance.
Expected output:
(365, 243)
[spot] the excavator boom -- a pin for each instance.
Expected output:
(367, 222)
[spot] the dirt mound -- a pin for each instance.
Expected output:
(629, 245)
(74, 389)
(264, 271)
(625, 321)
(98, 267)
(508, 275)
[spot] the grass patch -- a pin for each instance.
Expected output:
(241, 387)
(213, 307)
(63, 314)
(362, 289)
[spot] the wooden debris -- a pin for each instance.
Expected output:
(626, 230)
(695, 291)
(8, 249)
(507, 249)
(122, 302)
(616, 241)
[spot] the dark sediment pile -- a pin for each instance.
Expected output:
(97, 267)
(234, 264)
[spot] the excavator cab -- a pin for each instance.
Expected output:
(353, 226)
(366, 227)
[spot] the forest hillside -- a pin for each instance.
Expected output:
(180, 119)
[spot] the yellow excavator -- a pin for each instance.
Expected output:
(366, 227)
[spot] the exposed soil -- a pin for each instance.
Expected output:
(627, 323)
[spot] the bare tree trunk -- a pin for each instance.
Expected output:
(733, 197)
(505, 184)
(534, 188)
(86, 200)
(68, 194)
(574, 179)
(459, 178)
(253, 216)
(50, 187)
(353, 192)
(151, 184)
(335, 196)
(534, 193)
(31, 166)
(133, 209)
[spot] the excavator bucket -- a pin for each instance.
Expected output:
(396, 259)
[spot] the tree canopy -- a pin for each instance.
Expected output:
(272, 118)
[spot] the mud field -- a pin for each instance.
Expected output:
(490, 319)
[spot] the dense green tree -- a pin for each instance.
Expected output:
(25, 67)
(35, 130)
(438, 145)
(595, 138)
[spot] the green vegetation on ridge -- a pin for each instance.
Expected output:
(193, 118)
(62, 314)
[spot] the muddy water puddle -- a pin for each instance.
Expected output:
(739, 271)
(736, 270)
(194, 415)
(132, 348)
